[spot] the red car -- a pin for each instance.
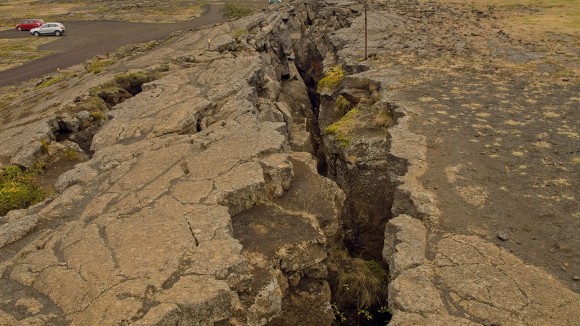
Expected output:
(28, 24)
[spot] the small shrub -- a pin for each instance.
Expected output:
(331, 79)
(232, 11)
(18, 189)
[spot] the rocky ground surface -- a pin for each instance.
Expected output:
(200, 199)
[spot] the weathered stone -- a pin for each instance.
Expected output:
(278, 173)
(85, 119)
(405, 244)
(80, 174)
(68, 123)
(493, 285)
(413, 291)
(28, 155)
(15, 225)
(143, 232)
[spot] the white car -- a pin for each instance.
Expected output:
(56, 29)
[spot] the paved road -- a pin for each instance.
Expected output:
(85, 39)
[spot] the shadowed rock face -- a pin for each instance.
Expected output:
(201, 203)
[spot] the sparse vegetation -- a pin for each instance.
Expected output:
(14, 52)
(92, 104)
(132, 82)
(359, 286)
(96, 66)
(50, 81)
(98, 115)
(44, 144)
(331, 79)
(54, 79)
(18, 189)
(342, 127)
(233, 11)
(70, 10)
(71, 154)
(342, 104)
(239, 32)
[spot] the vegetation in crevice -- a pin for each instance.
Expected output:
(359, 288)
(340, 129)
(331, 80)
(107, 95)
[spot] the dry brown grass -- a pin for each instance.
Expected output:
(532, 17)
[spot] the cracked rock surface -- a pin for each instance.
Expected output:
(193, 209)
(200, 204)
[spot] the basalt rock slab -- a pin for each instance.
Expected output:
(141, 233)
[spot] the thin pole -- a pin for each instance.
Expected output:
(365, 30)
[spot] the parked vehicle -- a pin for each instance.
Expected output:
(56, 29)
(28, 24)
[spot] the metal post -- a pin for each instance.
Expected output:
(366, 30)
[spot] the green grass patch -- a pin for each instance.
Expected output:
(18, 189)
(96, 66)
(55, 79)
(331, 79)
(342, 127)
(233, 11)
(50, 81)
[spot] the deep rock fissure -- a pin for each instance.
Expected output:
(368, 183)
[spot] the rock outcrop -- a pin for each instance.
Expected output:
(197, 205)
(200, 201)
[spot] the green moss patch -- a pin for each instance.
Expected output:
(331, 79)
(342, 127)
(96, 66)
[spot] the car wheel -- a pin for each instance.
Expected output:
(56, 33)
(19, 28)
(36, 33)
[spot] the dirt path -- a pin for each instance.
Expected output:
(85, 39)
